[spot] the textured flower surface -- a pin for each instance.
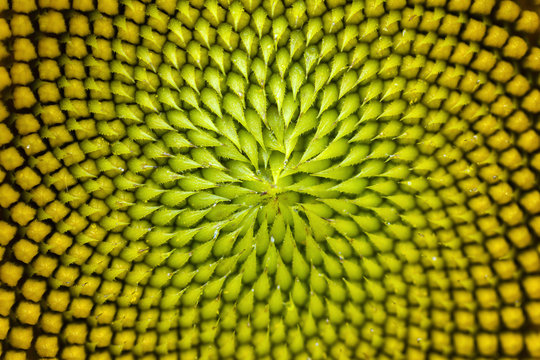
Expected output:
(275, 179)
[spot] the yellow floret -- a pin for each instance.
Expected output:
(7, 195)
(4, 327)
(474, 30)
(109, 7)
(23, 50)
(5, 32)
(496, 36)
(21, 25)
(464, 343)
(44, 265)
(502, 193)
(47, 163)
(28, 313)
(75, 333)
(102, 49)
(518, 86)
(83, 5)
(47, 346)
(74, 352)
(27, 178)
(21, 74)
(5, 134)
(52, 22)
(23, 6)
(518, 122)
(7, 299)
(10, 273)
(7, 232)
(135, 12)
(533, 311)
(26, 124)
(511, 158)
(66, 275)
(10, 158)
(32, 144)
(25, 250)
(5, 79)
(15, 355)
(512, 317)
(508, 11)
(511, 343)
(23, 97)
(58, 300)
(524, 178)
(528, 22)
(33, 289)
(511, 214)
(21, 337)
(48, 92)
(101, 336)
(75, 47)
(49, 70)
(48, 47)
(520, 236)
(530, 260)
(55, 4)
(531, 102)
(515, 48)
(81, 307)
(75, 69)
(37, 230)
(79, 25)
(103, 26)
(3, 112)
(51, 322)
(52, 114)
(529, 141)
(510, 292)
(59, 243)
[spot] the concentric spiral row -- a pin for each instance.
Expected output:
(269, 179)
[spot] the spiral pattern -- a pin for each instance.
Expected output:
(269, 179)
